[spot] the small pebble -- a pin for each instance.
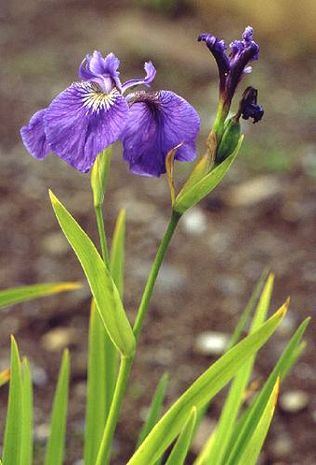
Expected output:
(253, 191)
(211, 343)
(59, 338)
(41, 432)
(195, 222)
(294, 401)
(282, 446)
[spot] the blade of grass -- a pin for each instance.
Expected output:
(249, 308)
(27, 415)
(56, 441)
(215, 450)
(182, 445)
(249, 418)
(102, 286)
(201, 391)
(100, 385)
(25, 293)
(12, 436)
(155, 409)
(117, 252)
(255, 441)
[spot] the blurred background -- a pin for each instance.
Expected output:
(262, 215)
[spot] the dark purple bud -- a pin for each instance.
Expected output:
(218, 50)
(248, 107)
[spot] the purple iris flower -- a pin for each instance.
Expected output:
(92, 114)
(234, 64)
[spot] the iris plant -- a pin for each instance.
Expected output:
(94, 113)
(154, 128)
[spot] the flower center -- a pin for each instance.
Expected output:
(96, 100)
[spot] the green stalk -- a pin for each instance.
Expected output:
(126, 363)
(104, 453)
(102, 235)
(142, 309)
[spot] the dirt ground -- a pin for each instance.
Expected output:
(262, 215)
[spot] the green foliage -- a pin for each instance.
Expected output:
(25, 293)
(100, 386)
(11, 454)
(155, 409)
(117, 252)
(101, 283)
(56, 442)
(192, 193)
(182, 445)
(202, 391)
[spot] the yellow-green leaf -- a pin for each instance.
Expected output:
(202, 391)
(117, 252)
(102, 286)
(255, 442)
(27, 415)
(56, 442)
(24, 293)
(4, 376)
(192, 194)
(182, 445)
(12, 436)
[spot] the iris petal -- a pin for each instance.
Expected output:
(82, 121)
(34, 137)
(156, 124)
(150, 76)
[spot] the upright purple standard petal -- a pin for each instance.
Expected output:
(218, 49)
(156, 124)
(147, 80)
(103, 71)
(34, 137)
(82, 121)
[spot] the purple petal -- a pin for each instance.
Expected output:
(150, 76)
(156, 124)
(82, 121)
(34, 137)
(218, 49)
(104, 71)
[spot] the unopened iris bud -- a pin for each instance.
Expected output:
(229, 140)
(99, 176)
(248, 107)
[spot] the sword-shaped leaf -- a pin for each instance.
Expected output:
(101, 283)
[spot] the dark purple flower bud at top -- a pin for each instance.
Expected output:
(233, 65)
(218, 49)
(156, 124)
(92, 114)
(248, 107)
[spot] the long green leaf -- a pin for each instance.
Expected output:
(255, 442)
(191, 194)
(25, 293)
(102, 286)
(56, 442)
(27, 415)
(201, 391)
(214, 451)
(250, 417)
(155, 409)
(182, 445)
(117, 252)
(249, 308)
(12, 436)
(100, 385)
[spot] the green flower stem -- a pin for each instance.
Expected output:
(142, 309)
(102, 235)
(126, 363)
(104, 453)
